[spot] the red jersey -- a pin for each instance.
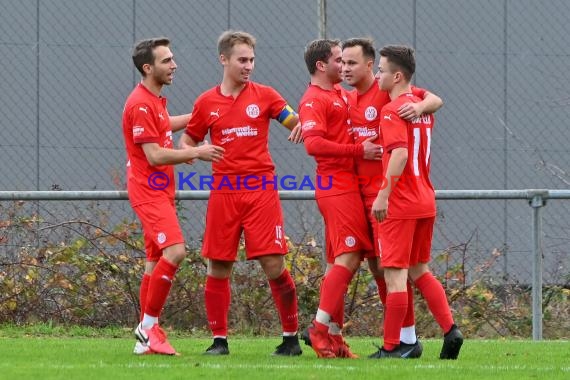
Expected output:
(325, 113)
(413, 197)
(364, 116)
(146, 120)
(241, 126)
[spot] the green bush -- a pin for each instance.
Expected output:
(90, 277)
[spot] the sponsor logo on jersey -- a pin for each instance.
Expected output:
(363, 131)
(245, 131)
(168, 142)
(138, 130)
(309, 124)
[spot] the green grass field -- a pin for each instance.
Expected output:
(42, 356)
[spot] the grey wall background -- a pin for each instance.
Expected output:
(501, 67)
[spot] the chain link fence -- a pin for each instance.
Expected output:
(499, 65)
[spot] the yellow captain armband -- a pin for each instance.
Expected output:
(286, 116)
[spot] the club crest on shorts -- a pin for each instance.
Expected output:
(350, 241)
(161, 237)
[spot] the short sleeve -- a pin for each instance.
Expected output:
(312, 113)
(144, 124)
(275, 101)
(419, 92)
(197, 127)
(394, 130)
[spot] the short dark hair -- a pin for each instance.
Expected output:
(143, 52)
(318, 50)
(401, 57)
(367, 45)
(229, 38)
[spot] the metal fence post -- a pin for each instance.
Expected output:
(537, 201)
(322, 12)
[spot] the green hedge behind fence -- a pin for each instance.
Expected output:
(91, 274)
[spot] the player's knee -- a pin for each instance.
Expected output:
(350, 261)
(175, 254)
(273, 265)
(375, 268)
(417, 271)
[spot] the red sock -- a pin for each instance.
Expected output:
(217, 297)
(285, 297)
(338, 316)
(432, 290)
(410, 319)
(159, 286)
(143, 292)
(382, 291)
(396, 306)
(333, 290)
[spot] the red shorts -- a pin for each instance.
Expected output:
(160, 227)
(405, 242)
(372, 228)
(257, 213)
(346, 229)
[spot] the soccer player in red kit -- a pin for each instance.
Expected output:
(405, 206)
(365, 102)
(150, 183)
(323, 112)
(244, 196)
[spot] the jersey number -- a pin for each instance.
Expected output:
(417, 141)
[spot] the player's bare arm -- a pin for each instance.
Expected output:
(430, 104)
(179, 122)
(396, 166)
(296, 134)
(205, 151)
(157, 155)
(209, 152)
(186, 141)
